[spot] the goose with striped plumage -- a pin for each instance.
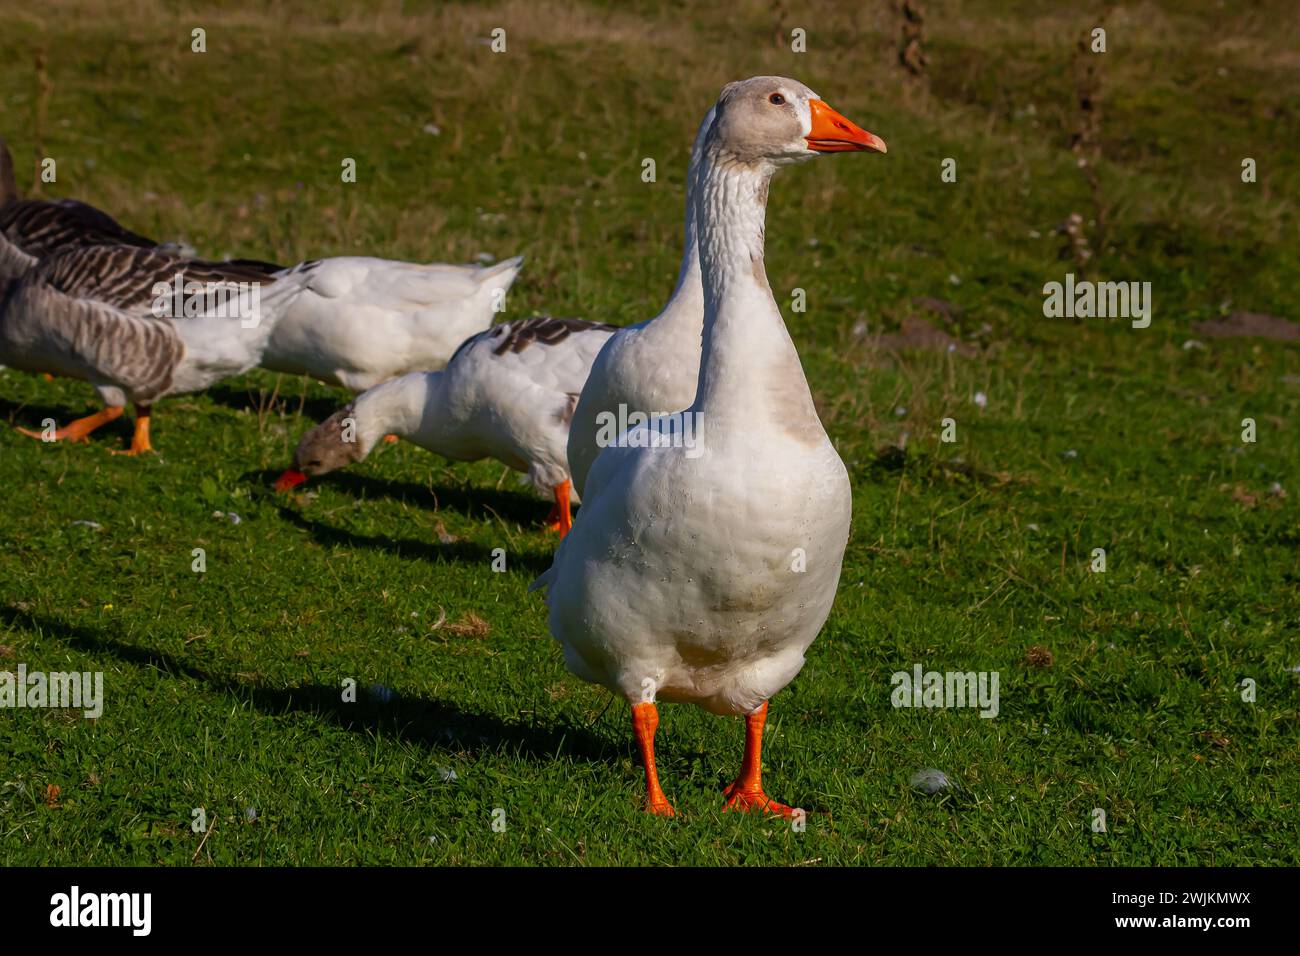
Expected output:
(138, 325)
(360, 320)
(39, 228)
(508, 393)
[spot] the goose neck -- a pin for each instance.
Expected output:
(730, 218)
(407, 406)
(750, 374)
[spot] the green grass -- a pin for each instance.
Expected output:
(224, 688)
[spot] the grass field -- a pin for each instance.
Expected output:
(223, 688)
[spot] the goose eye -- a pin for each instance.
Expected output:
(776, 99)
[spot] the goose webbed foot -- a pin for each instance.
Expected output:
(79, 430)
(561, 517)
(140, 439)
(746, 792)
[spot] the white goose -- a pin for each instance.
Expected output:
(110, 315)
(681, 579)
(651, 366)
(362, 321)
(508, 393)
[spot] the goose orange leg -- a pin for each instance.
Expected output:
(645, 721)
(139, 440)
(746, 792)
(561, 517)
(81, 428)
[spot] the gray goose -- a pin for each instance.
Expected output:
(39, 228)
(138, 324)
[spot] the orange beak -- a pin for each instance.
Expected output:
(290, 479)
(833, 133)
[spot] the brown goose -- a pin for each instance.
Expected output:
(138, 324)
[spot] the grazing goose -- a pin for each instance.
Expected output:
(651, 366)
(702, 575)
(363, 321)
(508, 393)
(40, 228)
(359, 322)
(123, 319)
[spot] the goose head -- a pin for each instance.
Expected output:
(776, 120)
(331, 445)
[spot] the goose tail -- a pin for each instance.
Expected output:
(499, 277)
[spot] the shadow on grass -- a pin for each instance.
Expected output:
(465, 552)
(317, 407)
(475, 504)
(428, 723)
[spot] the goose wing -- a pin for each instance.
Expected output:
(555, 353)
(45, 329)
(43, 228)
(141, 281)
(390, 285)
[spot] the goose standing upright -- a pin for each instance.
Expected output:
(508, 393)
(703, 575)
(651, 366)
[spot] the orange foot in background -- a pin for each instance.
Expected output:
(80, 429)
(139, 440)
(561, 517)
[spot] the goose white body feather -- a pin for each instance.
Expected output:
(361, 321)
(681, 578)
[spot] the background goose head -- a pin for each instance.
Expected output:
(333, 444)
(774, 120)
